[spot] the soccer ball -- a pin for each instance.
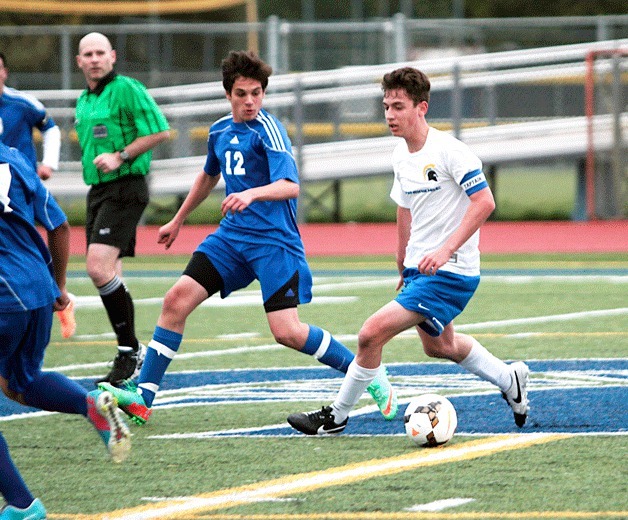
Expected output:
(430, 420)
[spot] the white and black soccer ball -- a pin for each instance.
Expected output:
(430, 420)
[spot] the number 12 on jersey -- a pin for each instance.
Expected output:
(237, 166)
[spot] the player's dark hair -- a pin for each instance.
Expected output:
(4, 60)
(245, 64)
(412, 80)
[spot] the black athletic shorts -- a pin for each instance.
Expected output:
(201, 269)
(114, 210)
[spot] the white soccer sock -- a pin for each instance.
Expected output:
(356, 380)
(486, 366)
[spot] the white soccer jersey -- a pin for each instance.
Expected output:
(435, 184)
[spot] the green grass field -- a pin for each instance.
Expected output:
(547, 475)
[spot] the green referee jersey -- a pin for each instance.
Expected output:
(112, 116)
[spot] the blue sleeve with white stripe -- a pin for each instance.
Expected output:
(281, 163)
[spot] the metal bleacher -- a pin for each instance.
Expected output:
(499, 144)
(342, 148)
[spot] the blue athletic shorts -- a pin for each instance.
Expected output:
(439, 298)
(279, 271)
(24, 337)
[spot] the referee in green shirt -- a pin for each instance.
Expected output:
(118, 124)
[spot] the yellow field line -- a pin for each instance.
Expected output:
(524, 515)
(305, 482)
(520, 515)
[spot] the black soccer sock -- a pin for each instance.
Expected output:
(119, 306)
(131, 311)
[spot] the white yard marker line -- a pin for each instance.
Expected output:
(412, 332)
(545, 319)
(240, 300)
(575, 278)
(342, 475)
(439, 505)
(188, 355)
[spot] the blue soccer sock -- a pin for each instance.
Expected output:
(160, 352)
(323, 346)
(12, 485)
(54, 392)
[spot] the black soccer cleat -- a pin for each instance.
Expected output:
(318, 422)
(126, 365)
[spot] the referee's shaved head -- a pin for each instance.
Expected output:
(95, 58)
(94, 38)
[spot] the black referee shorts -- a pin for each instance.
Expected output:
(114, 210)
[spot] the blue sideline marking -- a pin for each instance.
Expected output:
(573, 396)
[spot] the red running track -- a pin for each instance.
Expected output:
(363, 239)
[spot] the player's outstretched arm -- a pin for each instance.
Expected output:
(200, 190)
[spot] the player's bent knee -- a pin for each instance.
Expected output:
(287, 338)
(176, 303)
(437, 351)
(371, 333)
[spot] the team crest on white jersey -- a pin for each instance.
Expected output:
(429, 173)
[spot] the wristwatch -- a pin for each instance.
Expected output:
(124, 155)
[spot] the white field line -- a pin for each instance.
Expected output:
(183, 499)
(189, 355)
(85, 302)
(545, 319)
(439, 505)
(326, 282)
(164, 402)
(575, 278)
(354, 337)
(170, 399)
(253, 296)
(305, 482)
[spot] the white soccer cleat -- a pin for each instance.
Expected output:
(517, 394)
(103, 413)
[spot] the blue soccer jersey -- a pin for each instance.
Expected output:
(19, 114)
(26, 275)
(252, 154)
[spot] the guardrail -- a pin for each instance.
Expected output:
(334, 104)
(193, 50)
(500, 144)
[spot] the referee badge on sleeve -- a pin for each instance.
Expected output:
(100, 132)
